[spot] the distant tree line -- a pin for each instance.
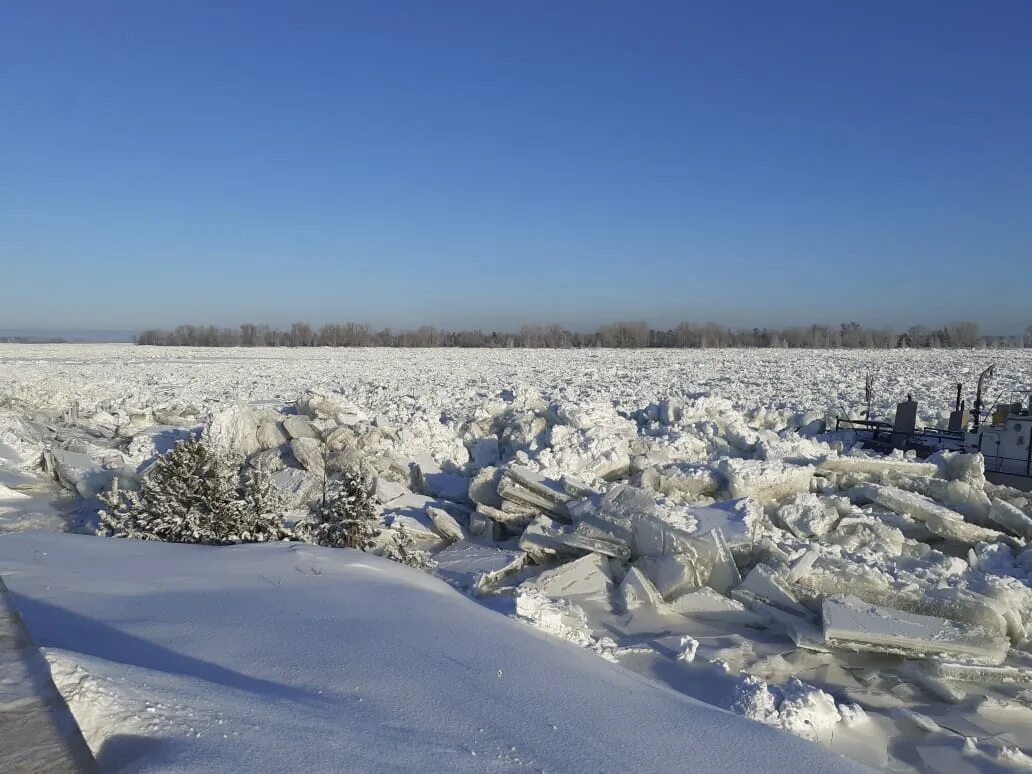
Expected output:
(31, 340)
(622, 335)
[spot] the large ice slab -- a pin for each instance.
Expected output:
(764, 479)
(1011, 518)
(851, 623)
(904, 503)
(877, 466)
(587, 576)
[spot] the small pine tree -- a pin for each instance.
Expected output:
(193, 494)
(403, 549)
(346, 516)
(261, 520)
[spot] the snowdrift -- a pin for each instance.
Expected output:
(289, 657)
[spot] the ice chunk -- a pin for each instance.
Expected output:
(670, 411)
(713, 553)
(428, 477)
(446, 525)
(920, 673)
(526, 487)
(587, 576)
(309, 452)
(802, 566)
(979, 673)
(322, 404)
(631, 516)
(388, 490)
(687, 650)
(951, 528)
(234, 430)
(740, 521)
(904, 503)
(1010, 518)
(299, 486)
(877, 466)
(686, 480)
(583, 539)
(560, 618)
(851, 623)
(485, 452)
(671, 575)
(706, 604)
(961, 467)
(636, 590)
(81, 474)
(483, 487)
(482, 525)
(806, 515)
(544, 539)
(299, 427)
(477, 568)
(517, 521)
(766, 584)
(764, 479)
(21, 511)
(271, 435)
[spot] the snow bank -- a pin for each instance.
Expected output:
(287, 657)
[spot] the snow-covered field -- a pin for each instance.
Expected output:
(677, 514)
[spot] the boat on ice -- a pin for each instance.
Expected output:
(1002, 433)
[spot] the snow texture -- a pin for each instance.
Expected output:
(349, 662)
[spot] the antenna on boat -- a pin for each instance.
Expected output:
(983, 381)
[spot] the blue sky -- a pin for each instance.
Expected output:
(488, 164)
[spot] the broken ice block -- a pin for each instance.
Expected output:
(1010, 518)
(524, 486)
(671, 575)
(877, 466)
(806, 515)
(514, 521)
(80, 473)
(630, 516)
(706, 604)
(713, 552)
(764, 479)
(582, 539)
(477, 568)
(587, 576)
(979, 673)
(851, 623)
(483, 487)
(766, 584)
(299, 427)
(446, 525)
(904, 503)
(950, 528)
(234, 430)
(636, 590)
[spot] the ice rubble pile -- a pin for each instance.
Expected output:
(683, 508)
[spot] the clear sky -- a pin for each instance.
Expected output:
(486, 164)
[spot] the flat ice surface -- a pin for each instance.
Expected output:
(289, 657)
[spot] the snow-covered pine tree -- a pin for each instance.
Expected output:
(193, 494)
(402, 548)
(264, 503)
(346, 516)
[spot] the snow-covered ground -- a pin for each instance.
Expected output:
(288, 657)
(679, 514)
